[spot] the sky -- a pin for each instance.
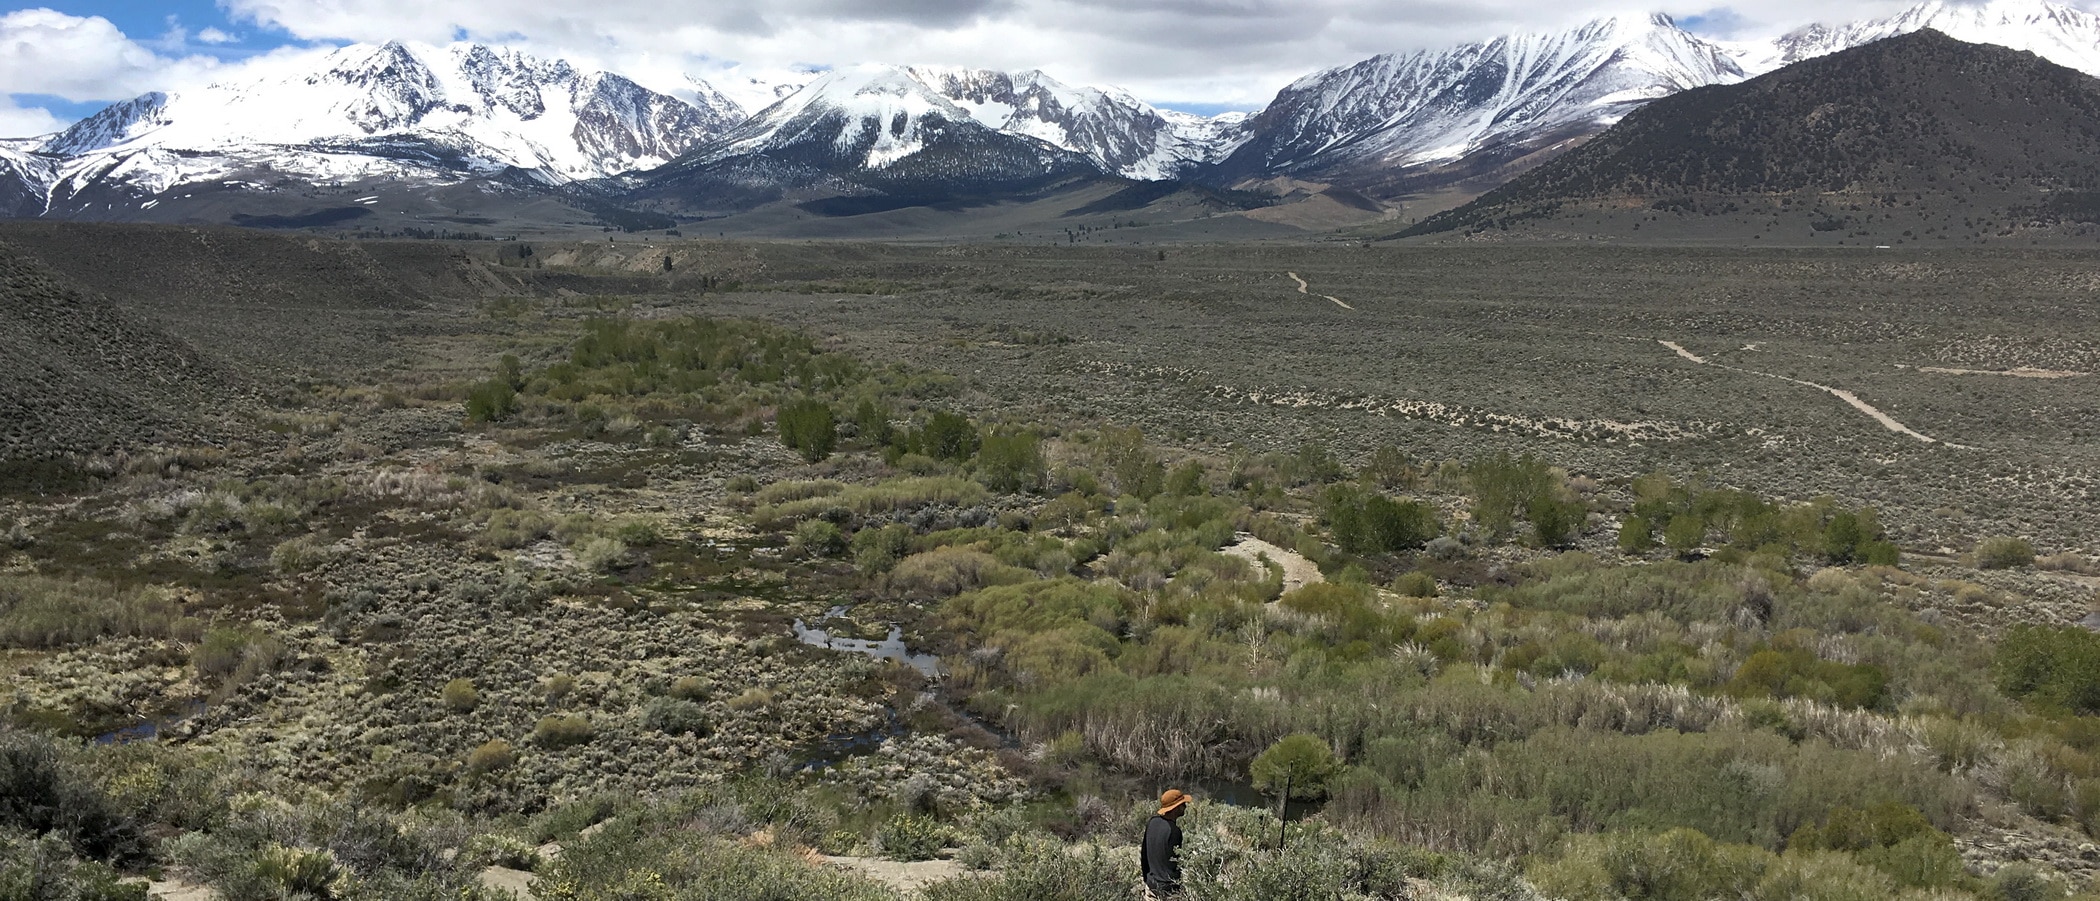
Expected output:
(65, 59)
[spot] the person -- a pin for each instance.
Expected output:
(1159, 860)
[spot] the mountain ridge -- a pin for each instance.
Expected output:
(1395, 127)
(1915, 137)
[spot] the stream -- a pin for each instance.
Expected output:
(890, 648)
(150, 729)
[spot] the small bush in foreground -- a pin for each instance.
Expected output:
(907, 837)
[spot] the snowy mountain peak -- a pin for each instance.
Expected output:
(392, 110)
(2065, 35)
(1120, 133)
(115, 124)
(1504, 95)
(879, 114)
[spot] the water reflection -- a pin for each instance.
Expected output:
(891, 648)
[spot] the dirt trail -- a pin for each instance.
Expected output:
(906, 878)
(1887, 421)
(1306, 290)
(2023, 372)
(1298, 572)
(175, 889)
(504, 879)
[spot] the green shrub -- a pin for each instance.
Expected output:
(562, 731)
(1823, 876)
(1797, 673)
(948, 436)
(946, 571)
(676, 716)
(754, 698)
(872, 500)
(297, 555)
(509, 529)
(505, 851)
(806, 425)
(494, 755)
(1684, 533)
(1677, 865)
(1367, 522)
(2004, 553)
(460, 696)
(491, 401)
(1636, 535)
(1301, 762)
(692, 688)
(908, 837)
(233, 656)
(301, 872)
(819, 538)
(877, 550)
(636, 859)
(793, 490)
(1011, 463)
(37, 869)
(2055, 666)
(1415, 584)
(41, 612)
(2022, 882)
(601, 554)
(42, 794)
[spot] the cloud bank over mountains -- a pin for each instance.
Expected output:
(1213, 54)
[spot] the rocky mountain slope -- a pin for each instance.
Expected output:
(1914, 138)
(1123, 135)
(399, 111)
(1461, 121)
(2065, 35)
(871, 132)
(1498, 100)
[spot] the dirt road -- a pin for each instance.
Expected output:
(1887, 421)
(1306, 290)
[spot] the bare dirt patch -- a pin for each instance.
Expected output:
(1298, 572)
(907, 878)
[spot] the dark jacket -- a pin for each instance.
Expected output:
(1162, 843)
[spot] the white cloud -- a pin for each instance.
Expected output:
(26, 121)
(1236, 52)
(78, 58)
(1220, 51)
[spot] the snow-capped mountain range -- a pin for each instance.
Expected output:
(1435, 107)
(385, 111)
(447, 114)
(2064, 35)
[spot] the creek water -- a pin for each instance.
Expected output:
(149, 729)
(890, 648)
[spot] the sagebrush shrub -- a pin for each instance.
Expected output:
(562, 731)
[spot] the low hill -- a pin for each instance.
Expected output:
(258, 297)
(84, 376)
(1919, 138)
